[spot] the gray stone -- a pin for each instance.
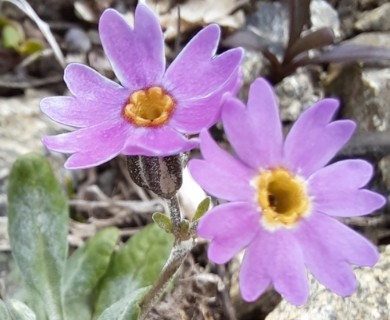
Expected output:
(367, 4)
(365, 95)
(77, 40)
(370, 302)
(378, 39)
(375, 20)
(254, 65)
(322, 14)
(296, 93)
(347, 10)
(271, 22)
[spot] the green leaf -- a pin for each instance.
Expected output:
(78, 309)
(38, 227)
(128, 308)
(163, 221)
(11, 36)
(4, 21)
(184, 229)
(4, 314)
(202, 209)
(19, 311)
(32, 299)
(136, 265)
(30, 47)
(83, 271)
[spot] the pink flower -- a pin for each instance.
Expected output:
(283, 202)
(153, 111)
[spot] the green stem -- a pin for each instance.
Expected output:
(178, 254)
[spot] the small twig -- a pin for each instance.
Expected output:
(33, 57)
(12, 83)
(227, 305)
(134, 206)
(368, 221)
(365, 143)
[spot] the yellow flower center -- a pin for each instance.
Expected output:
(282, 198)
(150, 107)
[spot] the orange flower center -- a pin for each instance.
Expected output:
(282, 198)
(150, 107)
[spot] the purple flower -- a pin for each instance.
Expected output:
(153, 111)
(283, 202)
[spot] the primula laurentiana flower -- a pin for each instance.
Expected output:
(282, 200)
(153, 110)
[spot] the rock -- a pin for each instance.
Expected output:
(365, 95)
(375, 20)
(322, 14)
(367, 4)
(77, 40)
(347, 10)
(379, 39)
(253, 66)
(270, 21)
(297, 92)
(371, 301)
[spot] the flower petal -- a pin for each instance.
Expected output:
(219, 182)
(137, 56)
(217, 156)
(256, 137)
(191, 117)
(78, 112)
(82, 160)
(254, 276)
(342, 175)
(92, 146)
(343, 242)
(223, 176)
(348, 203)
(196, 72)
(230, 227)
(328, 247)
(312, 142)
(275, 257)
(263, 109)
(238, 128)
(87, 84)
(158, 142)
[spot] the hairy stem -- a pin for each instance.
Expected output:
(178, 254)
(174, 211)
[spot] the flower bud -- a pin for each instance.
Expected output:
(162, 175)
